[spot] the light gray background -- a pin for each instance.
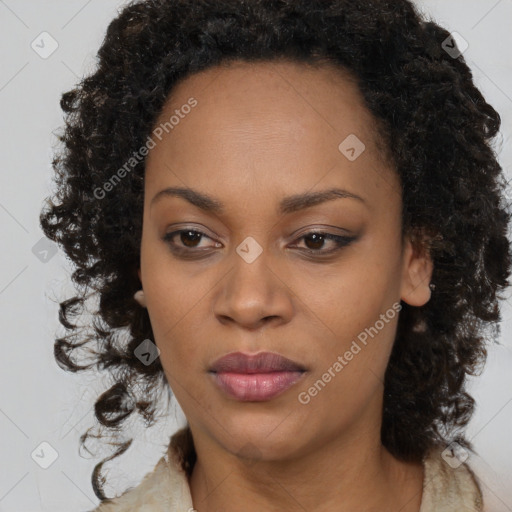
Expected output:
(40, 402)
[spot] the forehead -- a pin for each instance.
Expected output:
(274, 92)
(279, 123)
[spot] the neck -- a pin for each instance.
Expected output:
(341, 474)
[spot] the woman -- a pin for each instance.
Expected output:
(294, 211)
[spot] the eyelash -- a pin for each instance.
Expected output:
(340, 241)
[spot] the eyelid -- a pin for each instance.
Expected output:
(340, 241)
(169, 236)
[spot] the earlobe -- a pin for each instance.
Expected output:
(140, 298)
(139, 295)
(417, 273)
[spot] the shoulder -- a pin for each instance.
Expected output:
(449, 484)
(163, 489)
(148, 496)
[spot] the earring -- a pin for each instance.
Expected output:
(432, 286)
(139, 297)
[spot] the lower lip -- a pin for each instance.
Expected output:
(256, 387)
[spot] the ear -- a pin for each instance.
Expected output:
(416, 274)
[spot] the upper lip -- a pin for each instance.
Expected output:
(263, 362)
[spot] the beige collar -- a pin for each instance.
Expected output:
(166, 488)
(447, 489)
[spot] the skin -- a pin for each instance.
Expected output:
(259, 133)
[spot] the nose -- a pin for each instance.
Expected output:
(253, 294)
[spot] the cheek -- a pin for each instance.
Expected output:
(173, 301)
(346, 299)
(348, 374)
(355, 313)
(173, 312)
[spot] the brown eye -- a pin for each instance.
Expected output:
(189, 238)
(186, 241)
(316, 240)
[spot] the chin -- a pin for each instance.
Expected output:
(265, 438)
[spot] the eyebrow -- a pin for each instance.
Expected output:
(287, 205)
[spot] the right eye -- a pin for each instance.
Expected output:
(187, 241)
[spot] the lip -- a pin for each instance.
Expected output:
(255, 377)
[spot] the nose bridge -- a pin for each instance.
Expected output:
(252, 290)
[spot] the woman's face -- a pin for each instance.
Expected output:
(248, 274)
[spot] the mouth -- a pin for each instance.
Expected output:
(257, 377)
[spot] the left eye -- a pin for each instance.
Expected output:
(317, 240)
(314, 241)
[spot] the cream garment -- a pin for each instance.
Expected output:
(166, 488)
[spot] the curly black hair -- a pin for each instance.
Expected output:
(438, 131)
